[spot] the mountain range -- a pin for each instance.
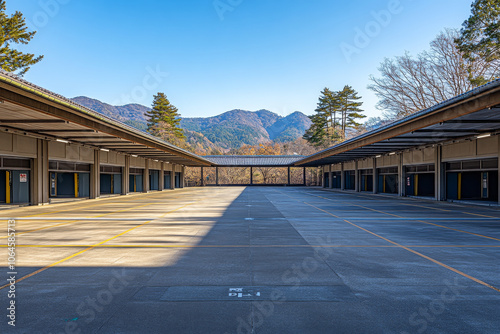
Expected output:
(228, 130)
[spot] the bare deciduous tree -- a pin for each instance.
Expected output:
(409, 84)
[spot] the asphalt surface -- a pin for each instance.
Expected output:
(254, 260)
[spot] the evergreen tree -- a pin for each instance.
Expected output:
(13, 30)
(335, 113)
(324, 130)
(328, 106)
(163, 118)
(316, 135)
(480, 35)
(349, 108)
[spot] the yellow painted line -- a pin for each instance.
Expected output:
(371, 197)
(425, 222)
(479, 215)
(457, 230)
(385, 213)
(74, 221)
(252, 246)
(88, 248)
(7, 187)
(416, 185)
(422, 221)
(415, 252)
(76, 185)
(426, 207)
(42, 228)
(130, 197)
(199, 246)
(459, 186)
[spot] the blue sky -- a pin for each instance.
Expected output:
(213, 56)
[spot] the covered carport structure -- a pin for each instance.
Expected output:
(447, 152)
(53, 148)
(251, 162)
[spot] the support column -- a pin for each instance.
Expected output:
(289, 176)
(356, 177)
(172, 177)
(161, 178)
(304, 176)
(126, 176)
(145, 178)
(439, 175)
(40, 188)
(251, 175)
(202, 177)
(322, 172)
(375, 176)
(330, 177)
(401, 177)
(216, 176)
(342, 177)
(181, 178)
(95, 177)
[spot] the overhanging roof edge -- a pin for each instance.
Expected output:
(487, 88)
(22, 84)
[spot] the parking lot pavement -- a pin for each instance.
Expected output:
(254, 260)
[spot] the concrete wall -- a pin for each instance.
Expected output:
(419, 156)
(112, 158)
(336, 168)
(365, 164)
(388, 161)
(154, 165)
(473, 149)
(137, 162)
(15, 145)
(483, 148)
(41, 151)
(349, 165)
(168, 167)
(70, 152)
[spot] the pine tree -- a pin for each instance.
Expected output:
(336, 112)
(328, 107)
(349, 108)
(14, 30)
(480, 35)
(324, 130)
(164, 118)
(316, 135)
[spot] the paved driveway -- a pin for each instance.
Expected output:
(254, 260)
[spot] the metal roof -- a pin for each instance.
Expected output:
(254, 160)
(471, 114)
(35, 111)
